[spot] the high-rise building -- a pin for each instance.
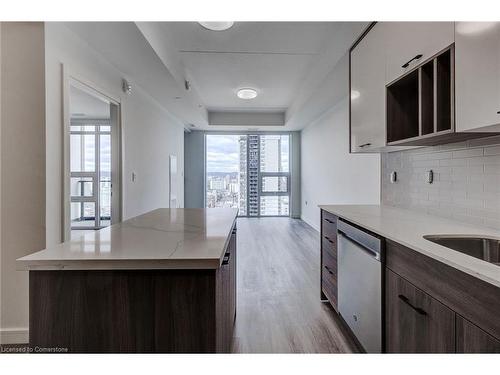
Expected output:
(253, 166)
(258, 155)
(271, 162)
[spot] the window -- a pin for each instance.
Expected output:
(90, 173)
(249, 172)
(226, 172)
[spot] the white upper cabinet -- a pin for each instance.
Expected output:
(477, 76)
(368, 91)
(410, 43)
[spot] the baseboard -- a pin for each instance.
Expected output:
(310, 223)
(14, 335)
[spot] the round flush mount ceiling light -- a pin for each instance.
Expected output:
(247, 93)
(217, 26)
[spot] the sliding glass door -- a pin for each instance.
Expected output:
(90, 148)
(250, 172)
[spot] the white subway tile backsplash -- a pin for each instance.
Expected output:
(466, 183)
(492, 150)
(467, 153)
(491, 169)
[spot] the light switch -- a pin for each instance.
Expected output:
(134, 176)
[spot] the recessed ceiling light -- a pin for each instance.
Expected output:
(217, 26)
(247, 93)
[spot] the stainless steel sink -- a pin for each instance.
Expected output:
(486, 249)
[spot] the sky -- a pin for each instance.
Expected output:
(223, 153)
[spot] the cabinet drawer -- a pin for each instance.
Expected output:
(327, 244)
(330, 262)
(329, 226)
(329, 284)
(416, 322)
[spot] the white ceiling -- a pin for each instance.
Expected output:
(272, 57)
(289, 63)
(286, 62)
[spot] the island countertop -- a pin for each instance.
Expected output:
(408, 228)
(191, 238)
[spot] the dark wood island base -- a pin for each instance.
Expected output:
(135, 311)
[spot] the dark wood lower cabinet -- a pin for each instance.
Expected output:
(472, 339)
(416, 322)
(329, 258)
(226, 299)
(135, 311)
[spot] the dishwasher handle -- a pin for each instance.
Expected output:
(372, 253)
(369, 241)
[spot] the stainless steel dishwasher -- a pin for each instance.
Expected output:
(360, 284)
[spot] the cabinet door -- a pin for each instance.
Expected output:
(406, 41)
(416, 322)
(472, 339)
(232, 280)
(477, 75)
(368, 91)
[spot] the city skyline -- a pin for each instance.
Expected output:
(233, 173)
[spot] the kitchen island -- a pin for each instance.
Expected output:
(161, 282)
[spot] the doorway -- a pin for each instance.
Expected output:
(93, 178)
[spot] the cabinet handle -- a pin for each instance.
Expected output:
(329, 270)
(328, 239)
(329, 221)
(365, 145)
(407, 301)
(405, 65)
(225, 260)
(498, 112)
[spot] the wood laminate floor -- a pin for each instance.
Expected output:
(278, 306)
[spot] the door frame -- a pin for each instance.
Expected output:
(70, 77)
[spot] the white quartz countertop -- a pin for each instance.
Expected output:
(408, 227)
(165, 238)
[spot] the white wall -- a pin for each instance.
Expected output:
(194, 168)
(329, 174)
(150, 134)
(22, 229)
(31, 164)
